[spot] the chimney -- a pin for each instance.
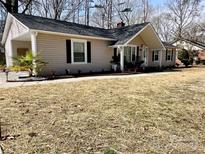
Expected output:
(120, 24)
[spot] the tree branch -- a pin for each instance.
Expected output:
(27, 5)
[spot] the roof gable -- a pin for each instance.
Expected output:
(125, 34)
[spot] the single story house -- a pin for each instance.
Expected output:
(65, 45)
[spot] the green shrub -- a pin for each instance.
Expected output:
(2, 59)
(2, 67)
(185, 57)
(203, 62)
(197, 62)
(26, 63)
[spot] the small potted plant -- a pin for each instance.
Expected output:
(115, 63)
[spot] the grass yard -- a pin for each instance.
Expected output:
(153, 114)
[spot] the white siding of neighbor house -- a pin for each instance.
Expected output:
(15, 30)
(52, 49)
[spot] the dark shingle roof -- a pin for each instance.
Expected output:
(168, 45)
(124, 34)
(193, 42)
(196, 43)
(120, 35)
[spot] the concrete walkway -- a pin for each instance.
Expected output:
(4, 84)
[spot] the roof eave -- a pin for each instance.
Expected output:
(7, 26)
(72, 35)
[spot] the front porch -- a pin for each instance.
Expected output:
(20, 45)
(144, 49)
(133, 57)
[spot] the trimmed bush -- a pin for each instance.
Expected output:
(185, 57)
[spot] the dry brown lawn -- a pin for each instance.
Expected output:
(155, 114)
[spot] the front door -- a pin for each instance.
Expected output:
(22, 51)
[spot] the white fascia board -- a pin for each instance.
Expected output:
(72, 35)
(9, 21)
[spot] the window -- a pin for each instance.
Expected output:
(169, 55)
(155, 56)
(130, 54)
(79, 51)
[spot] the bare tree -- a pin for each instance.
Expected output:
(14, 6)
(182, 13)
(59, 9)
(145, 4)
(163, 26)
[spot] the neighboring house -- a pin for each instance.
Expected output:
(201, 56)
(189, 45)
(64, 45)
(197, 48)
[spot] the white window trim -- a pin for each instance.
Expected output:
(72, 51)
(156, 61)
(135, 51)
(170, 51)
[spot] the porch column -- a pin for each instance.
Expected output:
(121, 58)
(147, 56)
(160, 62)
(10, 55)
(34, 48)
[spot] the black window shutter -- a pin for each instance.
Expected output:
(166, 55)
(115, 52)
(152, 55)
(172, 54)
(89, 52)
(68, 51)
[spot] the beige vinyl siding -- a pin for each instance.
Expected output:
(169, 63)
(153, 63)
(52, 49)
(20, 44)
(16, 29)
(137, 41)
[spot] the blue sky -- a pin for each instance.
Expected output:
(157, 2)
